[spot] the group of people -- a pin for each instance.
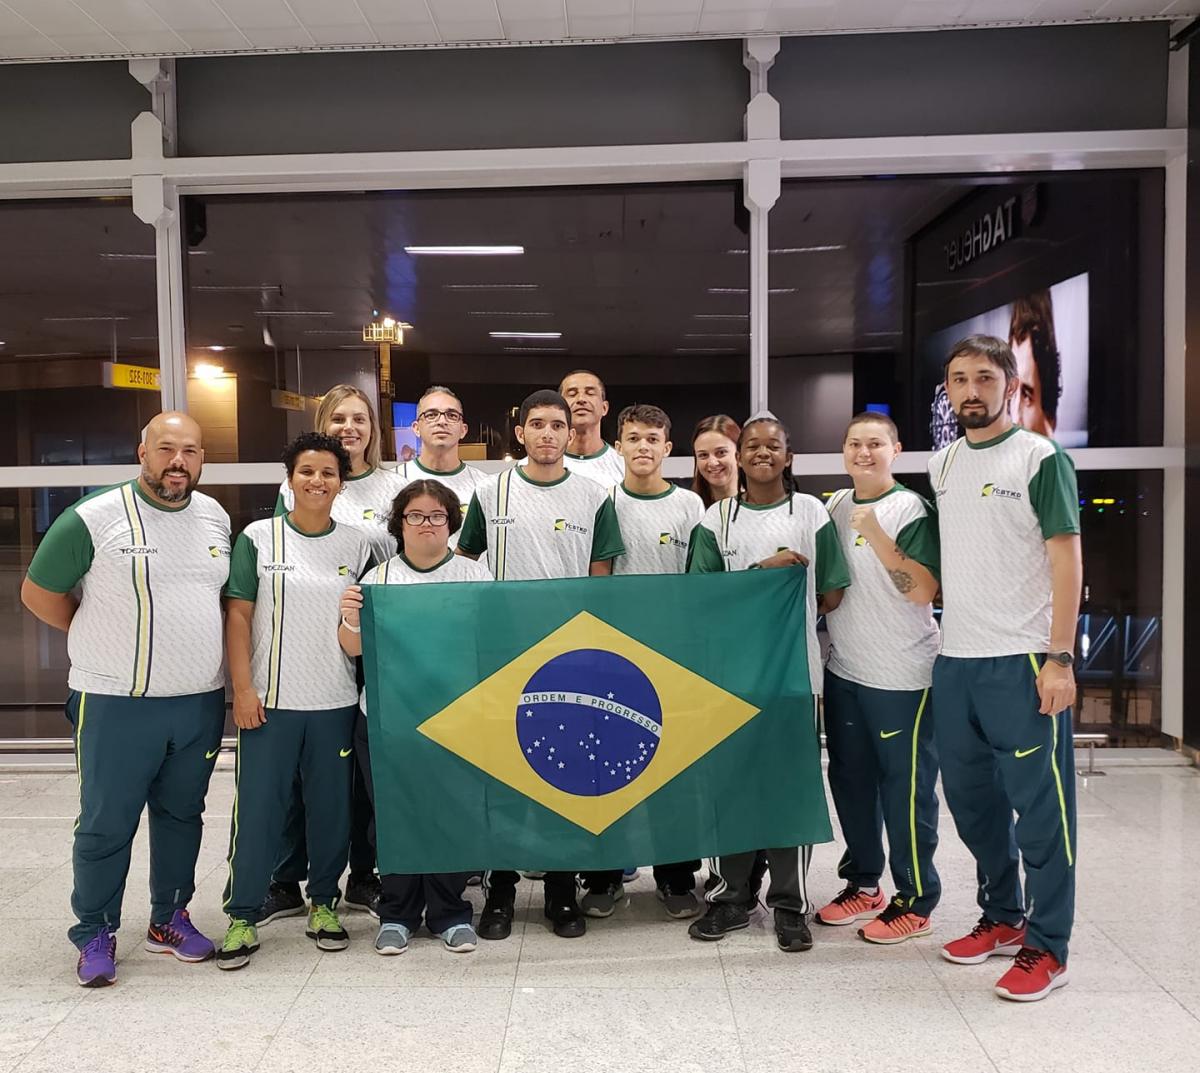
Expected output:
(159, 603)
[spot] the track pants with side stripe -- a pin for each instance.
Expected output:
(883, 773)
(999, 755)
(317, 746)
(134, 753)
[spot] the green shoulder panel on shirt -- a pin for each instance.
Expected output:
(243, 570)
(280, 505)
(472, 537)
(64, 555)
(606, 533)
(704, 556)
(919, 541)
(832, 571)
(1054, 495)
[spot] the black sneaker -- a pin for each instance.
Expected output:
(791, 930)
(496, 920)
(283, 900)
(568, 921)
(719, 921)
(363, 893)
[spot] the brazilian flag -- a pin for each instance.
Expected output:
(587, 723)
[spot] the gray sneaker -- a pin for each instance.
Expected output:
(460, 939)
(681, 906)
(392, 939)
(601, 903)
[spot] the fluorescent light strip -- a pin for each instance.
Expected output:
(720, 316)
(81, 320)
(794, 249)
(746, 290)
(464, 251)
(535, 349)
(525, 335)
(238, 288)
(293, 313)
(53, 354)
(489, 286)
(357, 333)
(504, 313)
(705, 350)
(128, 256)
(714, 335)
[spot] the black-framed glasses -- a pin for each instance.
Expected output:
(451, 416)
(436, 519)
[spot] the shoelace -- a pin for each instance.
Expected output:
(982, 928)
(325, 919)
(182, 925)
(850, 894)
(1027, 959)
(104, 943)
(893, 912)
(240, 933)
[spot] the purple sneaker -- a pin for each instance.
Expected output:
(179, 937)
(98, 961)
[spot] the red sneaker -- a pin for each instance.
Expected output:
(1034, 974)
(851, 905)
(985, 939)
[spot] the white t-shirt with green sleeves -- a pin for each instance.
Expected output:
(295, 581)
(877, 637)
(997, 504)
(656, 529)
(149, 621)
(734, 535)
(364, 501)
(606, 467)
(532, 530)
(461, 481)
(399, 571)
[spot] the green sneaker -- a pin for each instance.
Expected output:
(241, 940)
(325, 927)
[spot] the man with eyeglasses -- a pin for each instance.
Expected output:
(441, 426)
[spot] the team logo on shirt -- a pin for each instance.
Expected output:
(216, 551)
(139, 549)
(860, 541)
(279, 568)
(667, 540)
(369, 515)
(994, 491)
(343, 571)
(561, 525)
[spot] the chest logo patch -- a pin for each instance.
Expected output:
(994, 491)
(667, 540)
(369, 515)
(561, 525)
(139, 549)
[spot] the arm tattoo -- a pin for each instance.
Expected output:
(903, 581)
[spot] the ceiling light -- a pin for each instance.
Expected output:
(525, 335)
(507, 313)
(746, 290)
(490, 286)
(465, 251)
(714, 335)
(215, 349)
(535, 349)
(720, 316)
(357, 333)
(238, 288)
(52, 354)
(389, 322)
(705, 350)
(293, 313)
(127, 256)
(199, 253)
(204, 371)
(80, 320)
(795, 249)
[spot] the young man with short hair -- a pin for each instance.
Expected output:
(147, 684)
(1008, 514)
(879, 729)
(536, 522)
(441, 427)
(656, 519)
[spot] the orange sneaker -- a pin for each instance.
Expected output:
(984, 940)
(1035, 973)
(895, 924)
(851, 905)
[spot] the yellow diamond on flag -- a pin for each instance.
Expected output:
(588, 722)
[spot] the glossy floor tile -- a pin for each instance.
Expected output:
(635, 992)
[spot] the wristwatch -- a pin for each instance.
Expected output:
(1063, 659)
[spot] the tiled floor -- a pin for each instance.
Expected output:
(635, 993)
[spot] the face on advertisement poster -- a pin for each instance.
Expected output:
(1047, 331)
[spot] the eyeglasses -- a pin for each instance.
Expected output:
(452, 416)
(436, 519)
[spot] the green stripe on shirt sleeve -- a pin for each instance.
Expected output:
(832, 571)
(704, 557)
(919, 541)
(472, 537)
(64, 555)
(606, 533)
(1054, 495)
(243, 570)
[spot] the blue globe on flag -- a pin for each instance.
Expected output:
(589, 722)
